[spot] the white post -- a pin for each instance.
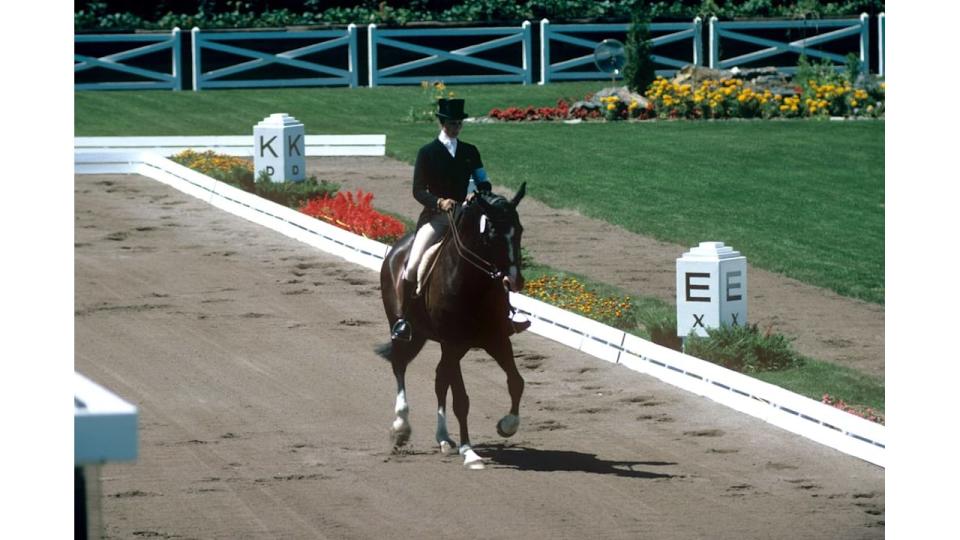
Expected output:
(714, 43)
(352, 56)
(882, 30)
(194, 35)
(711, 289)
(176, 71)
(697, 41)
(864, 43)
(527, 53)
(279, 147)
(371, 56)
(544, 51)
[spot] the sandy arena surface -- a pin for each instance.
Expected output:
(264, 411)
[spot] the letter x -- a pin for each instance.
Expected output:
(698, 320)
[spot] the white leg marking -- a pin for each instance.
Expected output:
(471, 459)
(401, 426)
(447, 445)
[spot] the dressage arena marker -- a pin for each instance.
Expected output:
(816, 421)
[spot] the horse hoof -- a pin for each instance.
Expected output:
(508, 425)
(400, 433)
(448, 447)
(471, 459)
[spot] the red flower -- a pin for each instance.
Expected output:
(355, 215)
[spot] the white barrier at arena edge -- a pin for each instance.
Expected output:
(816, 421)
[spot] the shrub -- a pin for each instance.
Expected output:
(639, 71)
(744, 349)
(293, 194)
(356, 214)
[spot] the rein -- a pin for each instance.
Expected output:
(477, 261)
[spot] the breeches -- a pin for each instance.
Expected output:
(430, 233)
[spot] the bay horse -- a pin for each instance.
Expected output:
(463, 304)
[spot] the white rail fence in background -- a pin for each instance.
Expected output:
(469, 55)
(832, 30)
(565, 33)
(233, 145)
(251, 44)
(130, 77)
(816, 421)
(243, 59)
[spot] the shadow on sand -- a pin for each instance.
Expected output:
(533, 459)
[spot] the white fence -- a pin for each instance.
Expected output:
(502, 37)
(233, 145)
(573, 34)
(806, 417)
(815, 32)
(409, 56)
(317, 73)
(131, 77)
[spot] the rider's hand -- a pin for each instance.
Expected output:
(446, 205)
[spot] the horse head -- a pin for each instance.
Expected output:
(499, 233)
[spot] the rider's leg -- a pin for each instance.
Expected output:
(429, 233)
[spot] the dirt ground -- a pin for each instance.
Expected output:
(264, 412)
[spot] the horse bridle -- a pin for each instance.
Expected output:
(477, 261)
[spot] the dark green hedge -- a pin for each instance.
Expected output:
(165, 14)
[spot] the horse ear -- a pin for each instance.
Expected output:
(520, 193)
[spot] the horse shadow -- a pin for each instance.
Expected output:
(534, 459)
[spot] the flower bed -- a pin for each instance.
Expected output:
(572, 295)
(717, 99)
(318, 199)
(356, 214)
(863, 412)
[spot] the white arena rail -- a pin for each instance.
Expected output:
(816, 421)
(234, 145)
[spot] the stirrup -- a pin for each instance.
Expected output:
(401, 331)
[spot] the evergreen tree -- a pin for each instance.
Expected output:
(638, 72)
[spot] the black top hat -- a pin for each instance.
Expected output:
(451, 109)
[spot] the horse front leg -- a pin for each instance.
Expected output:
(502, 352)
(450, 366)
(441, 385)
(400, 429)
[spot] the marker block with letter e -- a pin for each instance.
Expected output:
(711, 289)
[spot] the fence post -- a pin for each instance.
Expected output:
(544, 51)
(697, 41)
(177, 68)
(714, 43)
(527, 53)
(372, 55)
(865, 42)
(194, 36)
(353, 56)
(882, 30)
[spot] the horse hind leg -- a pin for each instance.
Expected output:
(400, 356)
(441, 385)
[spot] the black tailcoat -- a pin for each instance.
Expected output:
(437, 175)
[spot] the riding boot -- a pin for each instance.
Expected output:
(402, 329)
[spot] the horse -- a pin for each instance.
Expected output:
(463, 304)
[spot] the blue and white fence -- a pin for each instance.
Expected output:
(458, 55)
(127, 76)
(816, 421)
(567, 33)
(501, 37)
(832, 30)
(317, 41)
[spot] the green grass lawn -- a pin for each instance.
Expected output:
(802, 198)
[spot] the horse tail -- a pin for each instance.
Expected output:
(401, 351)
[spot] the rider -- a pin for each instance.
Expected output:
(445, 171)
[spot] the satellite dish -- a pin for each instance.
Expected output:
(609, 56)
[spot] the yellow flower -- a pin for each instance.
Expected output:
(611, 106)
